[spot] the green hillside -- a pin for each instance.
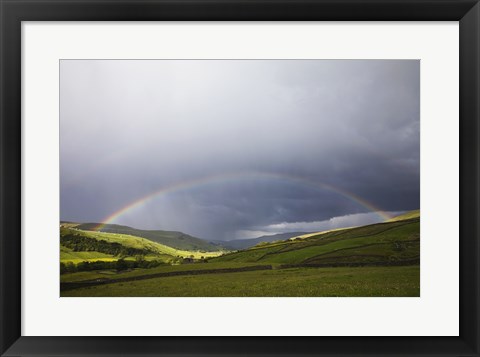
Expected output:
(177, 240)
(77, 245)
(374, 260)
(294, 282)
(380, 243)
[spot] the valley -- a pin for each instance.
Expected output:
(380, 259)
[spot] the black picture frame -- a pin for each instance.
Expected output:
(13, 12)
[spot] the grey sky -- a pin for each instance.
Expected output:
(269, 131)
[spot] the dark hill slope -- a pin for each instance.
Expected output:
(173, 239)
(247, 243)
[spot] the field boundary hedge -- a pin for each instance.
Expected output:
(87, 283)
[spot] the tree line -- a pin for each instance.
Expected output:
(79, 243)
(118, 265)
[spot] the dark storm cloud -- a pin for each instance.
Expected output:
(129, 128)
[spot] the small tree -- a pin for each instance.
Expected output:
(70, 267)
(121, 264)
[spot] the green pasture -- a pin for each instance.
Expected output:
(299, 282)
(389, 239)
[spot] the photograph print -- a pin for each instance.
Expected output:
(239, 178)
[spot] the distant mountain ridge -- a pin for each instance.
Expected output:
(247, 243)
(172, 239)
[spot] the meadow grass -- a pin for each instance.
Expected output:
(299, 282)
(68, 255)
(113, 274)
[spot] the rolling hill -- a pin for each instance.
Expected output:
(78, 245)
(388, 243)
(177, 240)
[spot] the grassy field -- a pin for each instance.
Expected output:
(364, 281)
(68, 255)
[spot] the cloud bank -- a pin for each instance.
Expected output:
(317, 128)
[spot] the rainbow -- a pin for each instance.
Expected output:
(221, 178)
